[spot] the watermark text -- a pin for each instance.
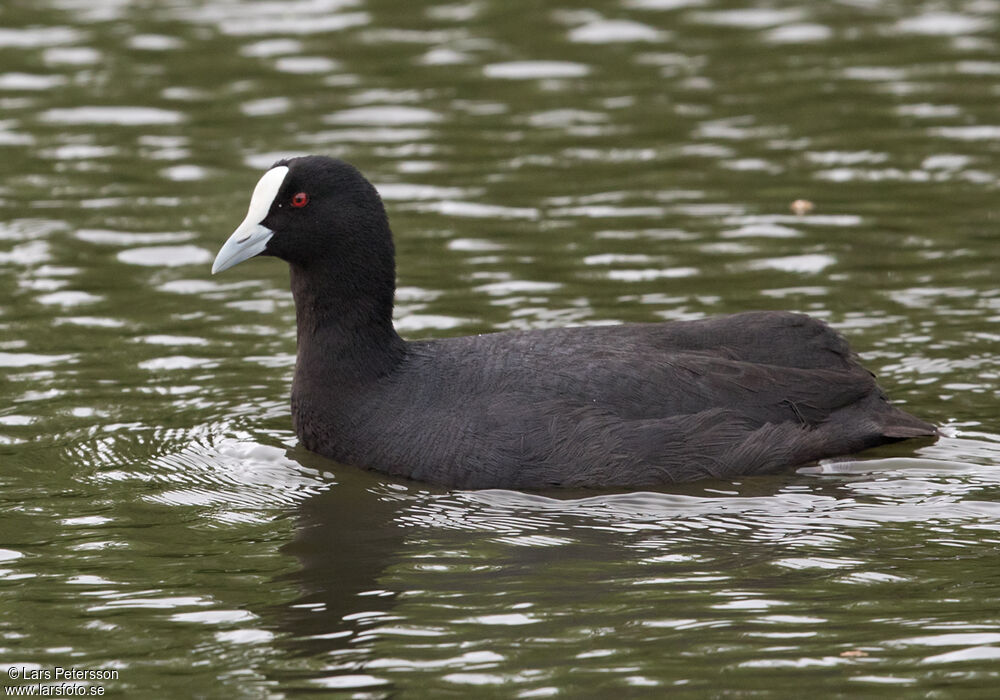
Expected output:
(57, 682)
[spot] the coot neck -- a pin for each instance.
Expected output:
(345, 332)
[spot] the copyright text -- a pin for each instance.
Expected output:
(58, 681)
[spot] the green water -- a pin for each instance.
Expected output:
(543, 164)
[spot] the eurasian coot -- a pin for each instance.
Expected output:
(611, 406)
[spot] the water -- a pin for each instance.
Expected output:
(543, 165)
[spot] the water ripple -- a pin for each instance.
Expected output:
(542, 166)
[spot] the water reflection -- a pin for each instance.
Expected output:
(623, 161)
(430, 564)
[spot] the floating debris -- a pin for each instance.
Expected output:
(801, 207)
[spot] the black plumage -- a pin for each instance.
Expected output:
(611, 406)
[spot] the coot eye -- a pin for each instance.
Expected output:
(300, 200)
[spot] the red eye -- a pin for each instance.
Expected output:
(300, 200)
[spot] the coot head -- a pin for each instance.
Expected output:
(316, 213)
